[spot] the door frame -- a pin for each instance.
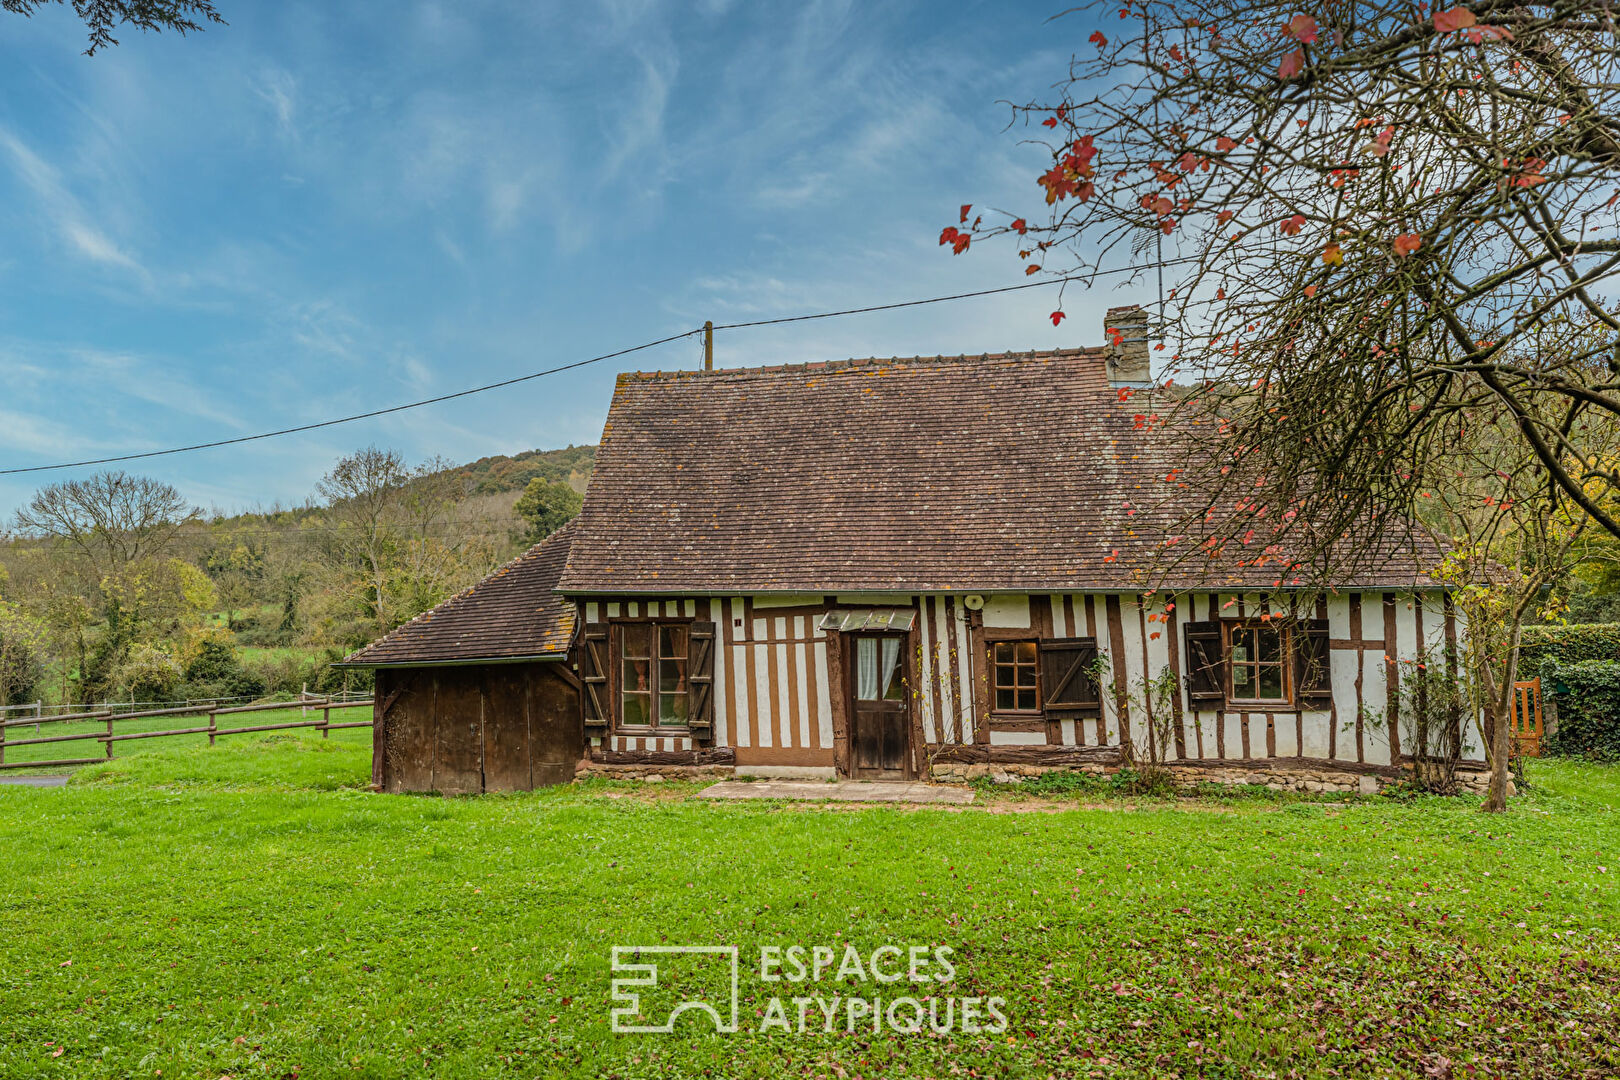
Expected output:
(840, 658)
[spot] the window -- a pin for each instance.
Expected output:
(877, 669)
(652, 674)
(1013, 667)
(1258, 662)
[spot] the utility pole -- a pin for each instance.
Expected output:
(708, 345)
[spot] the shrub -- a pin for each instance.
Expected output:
(148, 674)
(1588, 710)
(1568, 644)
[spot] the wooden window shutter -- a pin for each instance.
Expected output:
(700, 680)
(1206, 664)
(1068, 685)
(1313, 669)
(593, 673)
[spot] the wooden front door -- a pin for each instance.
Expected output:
(880, 723)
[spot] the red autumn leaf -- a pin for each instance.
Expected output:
(1099, 39)
(1057, 317)
(1223, 144)
(1458, 18)
(965, 208)
(1406, 243)
(1020, 227)
(1031, 269)
(1310, 291)
(1291, 64)
(1050, 121)
(1175, 53)
(1223, 217)
(1302, 28)
(1292, 226)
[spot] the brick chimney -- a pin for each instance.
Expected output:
(1125, 333)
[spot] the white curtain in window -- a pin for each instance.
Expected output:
(866, 669)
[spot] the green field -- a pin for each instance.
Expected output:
(253, 911)
(16, 754)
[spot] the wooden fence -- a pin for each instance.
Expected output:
(1526, 724)
(108, 720)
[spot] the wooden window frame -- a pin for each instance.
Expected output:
(616, 674)
(1285, 632)
(1000, 636)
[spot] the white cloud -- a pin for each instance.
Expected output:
(63, 209)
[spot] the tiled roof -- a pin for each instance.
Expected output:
(1004, 472)
(512, 614)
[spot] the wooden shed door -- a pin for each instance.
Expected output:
(458, 753)
(880, 744)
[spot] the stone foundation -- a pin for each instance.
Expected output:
(692, 773)
(1283, 775)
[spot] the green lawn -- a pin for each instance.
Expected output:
(252, 910)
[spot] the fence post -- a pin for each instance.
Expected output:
(2, 738)
(109, 734)
(213, 725)
(326, 721)
(37, 712)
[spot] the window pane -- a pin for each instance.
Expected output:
(1240, 677)
(635, 710)
(635, 639)
(1268, 645)
(1271, 683)
(1026, 652)
(1004, 652)
(672, 676)
(633, 677)
(672, 709)
(672, 641)
(866, 669)
(1006, 700)
(1026, 700)
(1026, 677)
(1240, 649)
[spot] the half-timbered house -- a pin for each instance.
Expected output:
(876, 568)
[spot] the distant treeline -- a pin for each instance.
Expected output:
(113, 587)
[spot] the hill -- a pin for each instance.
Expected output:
(491, 475)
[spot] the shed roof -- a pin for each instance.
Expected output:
(513, 614)
(1004, 472)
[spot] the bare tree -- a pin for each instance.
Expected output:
(101, 17)
(365, 493)
(1370, 218)
(109, 520)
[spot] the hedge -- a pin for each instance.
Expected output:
(1588, 709)
(1568, 644)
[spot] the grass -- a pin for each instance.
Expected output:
(262, 653)
(252, 910)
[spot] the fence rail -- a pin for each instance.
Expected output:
(107, 720)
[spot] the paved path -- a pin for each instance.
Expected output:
(837, 791)
(35, 781)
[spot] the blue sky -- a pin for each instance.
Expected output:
(324, 208)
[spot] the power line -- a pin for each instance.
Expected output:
(348, 419)
(556, 370)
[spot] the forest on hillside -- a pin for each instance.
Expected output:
(114, 588)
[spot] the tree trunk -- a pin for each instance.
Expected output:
(1502, 706)
(1496, 794)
